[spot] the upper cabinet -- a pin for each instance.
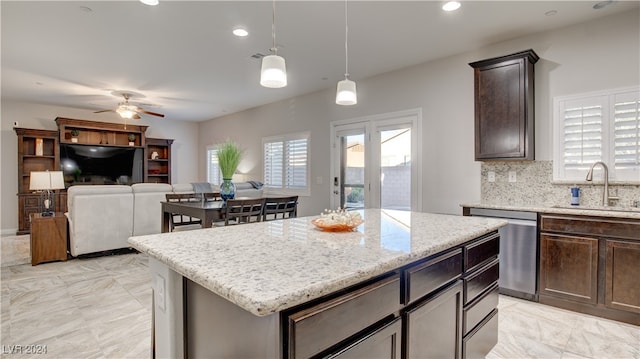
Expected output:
(504, 107)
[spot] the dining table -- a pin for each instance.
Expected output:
(207, 211)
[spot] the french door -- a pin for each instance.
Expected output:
(374, 162)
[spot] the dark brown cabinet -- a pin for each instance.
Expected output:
(569, 267)
(426, 309)
(504, 107)
(591, 265)
(622, 290)
(158, 160)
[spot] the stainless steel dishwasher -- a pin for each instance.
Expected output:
(518, 252)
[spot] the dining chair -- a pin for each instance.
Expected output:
(280, 208)
(180, 220)
(211, 196)
(239, 211)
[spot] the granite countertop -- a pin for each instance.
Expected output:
(270, 266)
(599, 211)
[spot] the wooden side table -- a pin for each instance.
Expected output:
(48, 238)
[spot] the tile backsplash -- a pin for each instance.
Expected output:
(534, 186)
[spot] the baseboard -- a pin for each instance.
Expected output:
(8, 232)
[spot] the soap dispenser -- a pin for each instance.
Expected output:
(575, 196)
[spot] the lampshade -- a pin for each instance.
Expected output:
(274, 72)
(126, 111)
(39, 181)
(346, 93)
(47, 180)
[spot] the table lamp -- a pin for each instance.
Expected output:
(46, 181)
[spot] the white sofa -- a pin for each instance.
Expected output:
(103, 217)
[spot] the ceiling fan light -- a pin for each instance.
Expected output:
(346, 93)
(126, 111)
(274, 72)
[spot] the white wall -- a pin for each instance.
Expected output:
(184, 150)
(590, 56)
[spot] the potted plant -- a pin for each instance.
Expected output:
(132, 139)
(74, 135)
(229, 155)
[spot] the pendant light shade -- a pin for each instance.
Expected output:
(274, 72)
(346, 93)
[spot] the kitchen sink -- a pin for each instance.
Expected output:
(600, 208)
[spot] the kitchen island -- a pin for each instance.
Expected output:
(403, 284)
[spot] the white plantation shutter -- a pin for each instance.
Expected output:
(213, 168)
(626, 114)
(582, 133)
(286, 163)
(296, 164)
(273, 164)
(598, 127)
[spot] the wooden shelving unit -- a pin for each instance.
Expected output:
(100, 133)
(38, 150)
(158, 167)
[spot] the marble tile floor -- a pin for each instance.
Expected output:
(100, 308)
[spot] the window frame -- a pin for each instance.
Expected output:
(270, 189)
(607, 100)
(218, 180)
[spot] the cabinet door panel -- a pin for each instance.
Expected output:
(384, 343)
(499, 102)
(569, 267)
(622, 284)
(434, 328)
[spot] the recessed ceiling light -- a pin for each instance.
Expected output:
(451, 6)
(85, 8)
(551, 12)
(240, 32)
(602, 4)
(150, 2)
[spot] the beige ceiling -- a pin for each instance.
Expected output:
(182, 57)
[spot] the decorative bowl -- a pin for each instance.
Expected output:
(336, 227)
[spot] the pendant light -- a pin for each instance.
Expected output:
(346, 91)
(274, 71)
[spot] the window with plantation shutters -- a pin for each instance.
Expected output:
(286, 163)
(594, 127)
(626, 114)
(213, 169)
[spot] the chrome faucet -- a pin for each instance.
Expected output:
(605, 192)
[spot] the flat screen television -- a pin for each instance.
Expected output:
(88, 164)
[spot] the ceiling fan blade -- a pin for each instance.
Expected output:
(150, 113)
(104, 111)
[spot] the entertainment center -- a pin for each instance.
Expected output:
(88, 152)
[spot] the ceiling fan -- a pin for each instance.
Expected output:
(129, 111)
